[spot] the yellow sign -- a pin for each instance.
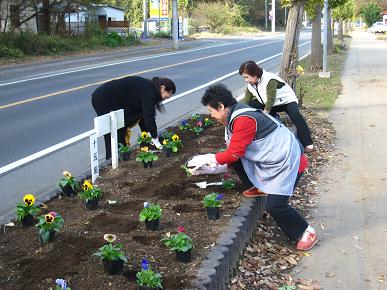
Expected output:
(156, 12)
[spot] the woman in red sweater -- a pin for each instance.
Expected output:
(265, 154)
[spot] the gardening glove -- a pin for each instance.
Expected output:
(155, 142)
(205, 169)
(200, 160)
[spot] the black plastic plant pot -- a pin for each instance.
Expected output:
(147, 164)
(148, 288)
(92, 204)
(68, 191)
(168, 152)
(213, 213)
(28, 220)
(152, 225)
(113, 267)
(50, 237)
(124, 156)
(184, 257)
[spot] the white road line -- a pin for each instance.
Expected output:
(128, 61)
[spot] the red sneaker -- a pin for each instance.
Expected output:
(308, 240)
(253, 192)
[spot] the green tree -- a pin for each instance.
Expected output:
(371, 13)
(343, 13)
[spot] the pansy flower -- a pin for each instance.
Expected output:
(146, 204)
(49, 218)
(87, 185)
(181, 229)
(144, 134)
(66, 174)
(175, 138)
(61, 283)
(199, 123)
(110, 238)
(145, 149)
(144, 264)
(29, 199)
(165, 142)
(184, 122)
(53, 213)
(219, 197)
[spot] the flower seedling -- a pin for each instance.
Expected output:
(227, 182)
(27, 208)
(144, 139)
(146, 156)
(150, 212)
(198, 128)
(147, 277)
(49, 224)
(208, 122)
(68, 180)
(61, 284)
(178, 242)
(186, 170)
(90, 192)
(173, 143)
(110, 252)
(196, 117)
(184, 125)
(213, 200)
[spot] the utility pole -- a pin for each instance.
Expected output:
(325, 73)
(145, 11)
(175, 25)
(266, 14)
(273, 15)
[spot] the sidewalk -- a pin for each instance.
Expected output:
(351, 220)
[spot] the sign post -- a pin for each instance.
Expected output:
(94, 157)
(105, 124)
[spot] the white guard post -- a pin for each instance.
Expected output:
(110, 123)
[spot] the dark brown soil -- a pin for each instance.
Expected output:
(26, 264)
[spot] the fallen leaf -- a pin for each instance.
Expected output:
(328, 274)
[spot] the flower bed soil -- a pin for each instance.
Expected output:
(26, 264)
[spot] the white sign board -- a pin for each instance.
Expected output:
(102, 123)
(94, 157)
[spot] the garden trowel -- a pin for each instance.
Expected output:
(204, 184)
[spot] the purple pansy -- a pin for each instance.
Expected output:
(144, 264)
(184, 122)
(219, 197)
(61, 283)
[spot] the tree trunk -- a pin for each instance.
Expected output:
(340, 32)
(290, 50)
(330, 34)
(316, 49)
(46, 25)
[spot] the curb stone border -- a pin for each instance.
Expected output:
(221, 263)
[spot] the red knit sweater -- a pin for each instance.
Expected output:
(244, 129)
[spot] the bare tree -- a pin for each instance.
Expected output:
(290, 50)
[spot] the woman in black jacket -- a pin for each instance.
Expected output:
(139, 97)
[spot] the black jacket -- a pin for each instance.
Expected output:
(136, 95)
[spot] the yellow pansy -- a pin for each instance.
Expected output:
(49, 218)
(144, 134)
(110, 238)
(145, 149)
(29, 199)
(87, 185)
(66, 174)
(175, 138)
(165, 142)
(206, 119)
(300, 70)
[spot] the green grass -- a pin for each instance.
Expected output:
(321, 93)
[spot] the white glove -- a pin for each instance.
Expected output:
(155, 142)
(205, 169)
(200, 160)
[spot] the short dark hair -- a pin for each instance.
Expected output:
(218, 94)
(251, 68)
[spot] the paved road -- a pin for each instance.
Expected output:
(352, 252)
(41, 109)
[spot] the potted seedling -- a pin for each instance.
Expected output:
(124, 152)
(184, 125)
(227, 182)
(68, 184)
(208, 122)
(146, 157)
(49, 225)
(145, 139)
(151, 214)
(198, 128)
(147, 279)
(111, 255)
(26, 212)
(186, 170)
(60, 284)
(90, 195)
(181, 243)
(212, 202)
(172, 145)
